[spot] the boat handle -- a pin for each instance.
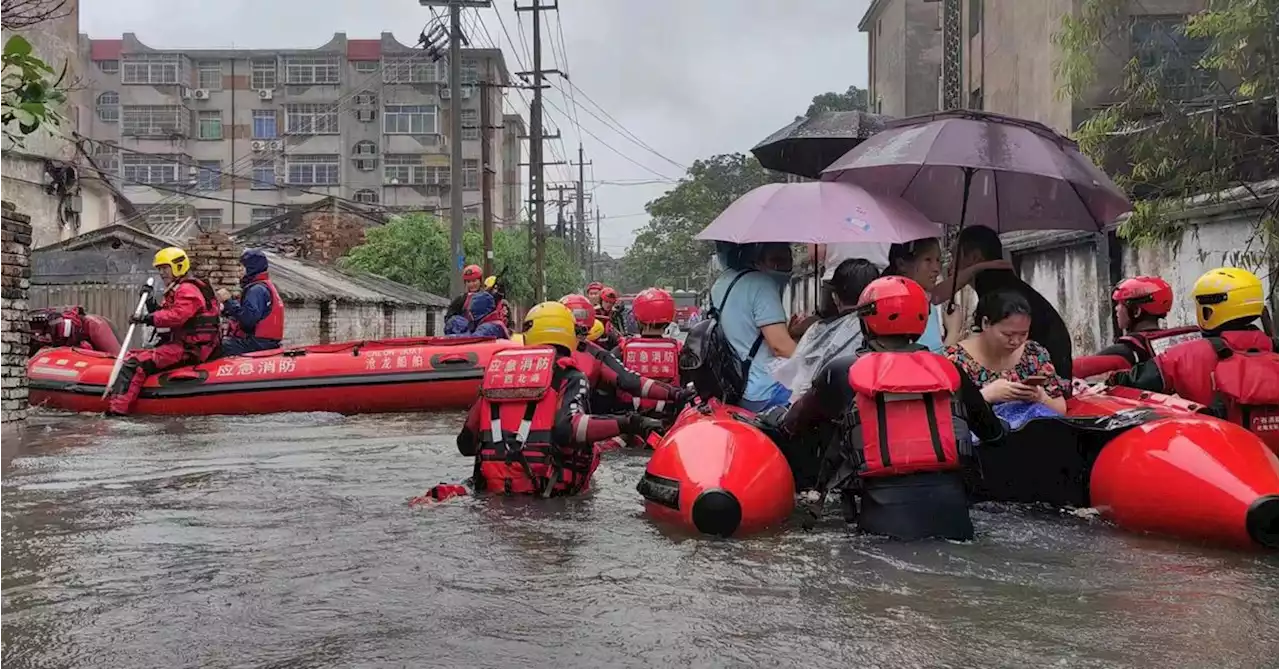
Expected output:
(453, 359)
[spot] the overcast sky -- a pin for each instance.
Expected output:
(690, 78)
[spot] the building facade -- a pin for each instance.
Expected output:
(234, 137)
(904, 41)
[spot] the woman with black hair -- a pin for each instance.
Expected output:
(921, 261)
(833, 333)
(1001, 358)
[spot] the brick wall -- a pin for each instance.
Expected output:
(328, 236)
(216, 259)
(16, 270)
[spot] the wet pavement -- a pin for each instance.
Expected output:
(286, 541)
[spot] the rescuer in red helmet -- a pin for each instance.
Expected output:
(911, 413)
(1140, 303)
(472, 278)
(71, 326)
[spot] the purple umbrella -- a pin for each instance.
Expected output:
(965, 167)
(818, 212)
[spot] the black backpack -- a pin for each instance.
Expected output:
(708, 360)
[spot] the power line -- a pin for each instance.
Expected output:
(610, 147)
(623, 129)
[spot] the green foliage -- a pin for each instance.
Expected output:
(414, 250)
(30, 91)
(665, 251)
(853, 99)
(1162, 148)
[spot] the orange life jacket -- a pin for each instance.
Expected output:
(903, 405)
(272, 324)
(652, 357)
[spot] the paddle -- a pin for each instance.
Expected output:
(128, 337)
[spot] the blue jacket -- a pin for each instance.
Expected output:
(457, 326)
(255, 303)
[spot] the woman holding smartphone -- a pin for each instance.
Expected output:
(1002, 360)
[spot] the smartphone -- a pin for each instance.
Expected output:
(1035, 380)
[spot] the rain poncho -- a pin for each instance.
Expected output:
(820, 344)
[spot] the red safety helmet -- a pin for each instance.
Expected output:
(653, 306)
(64, 328)
(583, 313)
(472, 273)
(1150, 295)
(608, 294)
(595, 285)
(894, 305)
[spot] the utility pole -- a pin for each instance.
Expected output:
(560, 190)
(538, 213)
(486, 174)
(597, 257)
(456, 210)
(582, 218)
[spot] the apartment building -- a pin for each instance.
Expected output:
(1008, 55)
(233, 137)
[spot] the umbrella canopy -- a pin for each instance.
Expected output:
(818, 212)
(807, 145)
(979, 168)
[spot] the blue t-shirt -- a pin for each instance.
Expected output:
(932, 337)
(756, 301)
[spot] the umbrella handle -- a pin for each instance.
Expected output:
(955, 260)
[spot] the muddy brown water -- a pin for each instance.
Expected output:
(285, 541)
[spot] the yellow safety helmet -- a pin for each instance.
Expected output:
(1226, 294)
(597, 331)
(490, 282)
(550, 323)
(175, 258)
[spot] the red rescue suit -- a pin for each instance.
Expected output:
(272, 325)
(902, 403)
(603, 367)
(528, 432)
(190, 312)
(654, 358)
(75, 328)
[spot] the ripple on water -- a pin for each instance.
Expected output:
(286, 541)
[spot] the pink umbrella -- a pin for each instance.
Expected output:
(965, 168)
(818, 212)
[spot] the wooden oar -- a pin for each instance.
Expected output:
(128, 337)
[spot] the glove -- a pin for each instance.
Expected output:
(145, 319)
(684, 396)
(638, 424)
(147, 289)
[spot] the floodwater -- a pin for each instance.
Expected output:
(286, 541)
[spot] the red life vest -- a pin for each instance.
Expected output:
(272, 324)
(652, 357)
(903, 404)
(1150, 343)
(202, 329)
(1237, 372)
(518, 405)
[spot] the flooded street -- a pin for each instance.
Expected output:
(286, 541)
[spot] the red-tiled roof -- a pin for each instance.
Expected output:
(105, 49)
(364, 49)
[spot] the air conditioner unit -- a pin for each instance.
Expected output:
(200, 94)
(277, 145)
(265, 94)
(467, 91)
(258, 146)
(445, 93)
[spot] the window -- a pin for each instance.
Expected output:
(109, 66)
(409, 120)
(470, 175)
(470, 124)
(107, 156)
(264, 174)
(151, 68)
(209, 219)
(311, 70)
(470, 70)
(366, 164)
(209, 75)
(367, 196)
(210, 125)
(262, 214)
(263, 75)
(438, 175)
(109, 107)
(366, 66)
(365, 148)
(366, 98)
(149, 169)
(264, 124)
(1164, 52)
(162, 214)
(310, 119)
(210, 175)
(154, 121)
(415, 69)
(313, 170)
(366, 115)
(975, 17)
(403, 169)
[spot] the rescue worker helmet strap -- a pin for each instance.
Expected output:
(1227, 294)
(175, 258)
(550, 323)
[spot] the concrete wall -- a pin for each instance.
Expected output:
(311, 322)
(15, 232)
(905, 42)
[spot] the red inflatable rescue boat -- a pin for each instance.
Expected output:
(410, 374)
(716, 473)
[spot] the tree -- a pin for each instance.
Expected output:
(665, 252)
(1178, 129)
(414, 250)
(853, 99)
(30, 90)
